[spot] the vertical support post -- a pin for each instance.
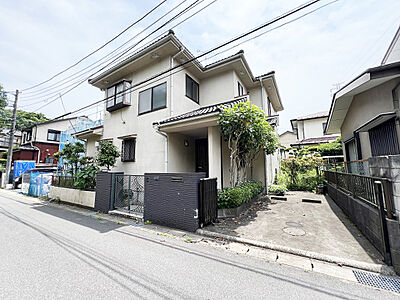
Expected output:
(11, 140)
(129, 193)
(385, 234)
(214, 154)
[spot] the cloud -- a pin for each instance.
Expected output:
(310, 55)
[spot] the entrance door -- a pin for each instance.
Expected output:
(201, 155)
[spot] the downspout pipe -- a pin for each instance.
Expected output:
(396, 106)
(156, 127)
(34, 147)
(265, 154)
(171, 81)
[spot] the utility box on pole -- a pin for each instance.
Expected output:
(11, 142)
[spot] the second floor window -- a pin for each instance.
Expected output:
(153, 98)
(116, 98)
(28, 136)
(53, 135)
(323, 127)
(192, 89)
(240, 89)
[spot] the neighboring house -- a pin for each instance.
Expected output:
(5, 139)
(41, 141)
(393, 52)
(169, 124)
(288, 138)
(366, 112)
(310, 130)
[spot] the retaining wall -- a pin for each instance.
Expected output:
(366, 218)
(83, 198)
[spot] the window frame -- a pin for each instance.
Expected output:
(127, 94)
(196, 84)
(57, 132)
(123, 159)
(151, 99)
(240, 89)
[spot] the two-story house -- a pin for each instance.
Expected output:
(169, 124)
(41, 141)
(366, 111)
(310, 130)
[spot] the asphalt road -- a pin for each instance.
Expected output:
(51, 253)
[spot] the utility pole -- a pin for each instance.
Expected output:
(11, 141)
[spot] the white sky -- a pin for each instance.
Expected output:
(333, 45)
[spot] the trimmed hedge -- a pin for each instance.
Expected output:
(232, 197)
(275, 189)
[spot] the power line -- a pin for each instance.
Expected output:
(140, 84)
(161, 26)
(101, 47)
(56, 84)
(121, 54)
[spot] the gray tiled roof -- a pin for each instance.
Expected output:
(202, 111)
(318, 140)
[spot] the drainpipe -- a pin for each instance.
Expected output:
(265, 154)
(156, 127)
(171, 82)
(34, 147)
(396, 106)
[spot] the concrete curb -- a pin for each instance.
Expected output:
(376, 268)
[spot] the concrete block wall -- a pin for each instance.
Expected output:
(366, 218)
(388, 167)
(74, 196)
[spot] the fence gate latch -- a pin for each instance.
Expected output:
(196, 216)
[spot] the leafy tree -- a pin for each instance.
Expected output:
(24, 119)
(107, 154)
(332, 148)
(86, 177)
(300, 162)
(72, 154)
(248, 133)
(3, 98)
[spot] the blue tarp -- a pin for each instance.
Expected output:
(20, 166)
(40, 184)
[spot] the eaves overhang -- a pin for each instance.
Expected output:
(342, 99)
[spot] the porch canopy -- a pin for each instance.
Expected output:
(195, 143)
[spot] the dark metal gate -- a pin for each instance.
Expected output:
(129, 193)
(208, 210)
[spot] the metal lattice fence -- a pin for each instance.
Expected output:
(129, 193)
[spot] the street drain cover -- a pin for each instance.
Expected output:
(293, 224)
(294, 231)
(378, 281)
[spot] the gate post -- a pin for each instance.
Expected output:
(105, 191)
(382, 216)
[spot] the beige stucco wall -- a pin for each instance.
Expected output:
(313, 128)
(364, 107)
(217, 88)
(287, 138)
(91, 149)
(180, 157)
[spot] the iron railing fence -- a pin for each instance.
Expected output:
(208, 209)
(66, 181)
(129, 193)
(363, 188)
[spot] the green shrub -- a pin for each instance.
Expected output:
(86, 178)
(231, 197)
(278, 190)
(307, 181)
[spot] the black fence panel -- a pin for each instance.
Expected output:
(208, 209)
(172, 199)
(129, 193)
